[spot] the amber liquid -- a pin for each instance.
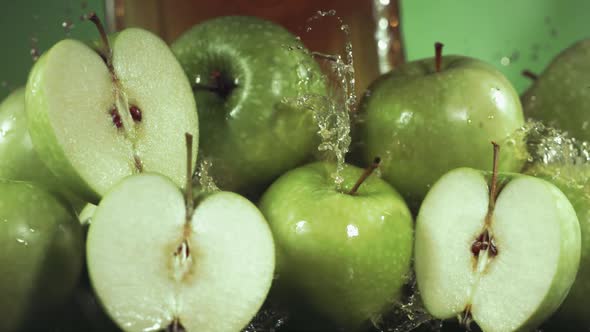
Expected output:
(372, 56)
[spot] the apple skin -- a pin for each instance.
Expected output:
(18, 159)
(573, 181)
(342, 256)
(423, 123)
(41, 248)
(560, 97)
(252, 135)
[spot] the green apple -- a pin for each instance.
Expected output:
(424, 122)
(560, 97)
(344, 256)
(155, 264)
(249, 77)
(95, 117)
(40, 254)
(18, 159)
(573, 180)
(501, 250)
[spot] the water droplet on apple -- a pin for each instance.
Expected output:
(22, 241)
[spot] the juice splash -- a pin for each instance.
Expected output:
(204, 181)
(332, 113)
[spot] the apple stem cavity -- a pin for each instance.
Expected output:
(108, 51)
(222, 85)
(438, 47)
(368, 171)
(530, 75)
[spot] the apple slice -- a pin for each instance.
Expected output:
(154, 268)
(96, 118)
(502, 258)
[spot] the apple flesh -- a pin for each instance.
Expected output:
(247, 74)
(560, 97)
(40, 253)
(93, 124)
(573, 181)
(414, 113)
(153, 268)
(506, 266)
(343, 256)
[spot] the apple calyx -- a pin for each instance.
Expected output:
(530, 75)
(438, 46)
(484, 247)
(122, 120)
(222, 85)
(368, 171)
(175, 327)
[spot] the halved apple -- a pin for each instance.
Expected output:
(503, 253)
(95, 118)
(155, 264)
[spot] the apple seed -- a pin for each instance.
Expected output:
(135, 113)
(116, 118)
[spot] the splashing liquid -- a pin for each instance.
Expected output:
(205, 181)
(332, 113)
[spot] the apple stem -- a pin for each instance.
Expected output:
(530, 75)
(438, 46)
(494, 184)
(105, 40)
(368, 171)
(189, 177)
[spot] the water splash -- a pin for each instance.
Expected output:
(407, 315)
(547, 145)
(267, 320)
(332, 113)
(35, 53)
(204, 180)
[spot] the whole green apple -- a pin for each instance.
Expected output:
(41, 248)
(18, 159)
(249, 77)
(574, 181)
(344, 256)
(560, 96)
(429, 116)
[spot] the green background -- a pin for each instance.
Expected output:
(511, 34)
(23, 20)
